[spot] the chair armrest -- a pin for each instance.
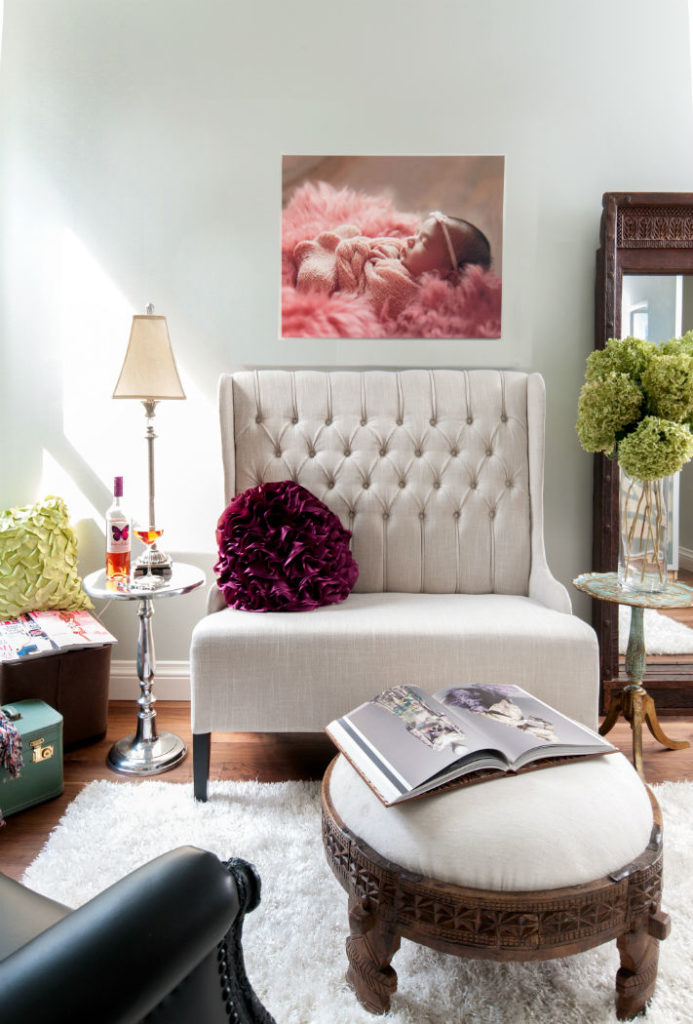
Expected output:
(545, 588)
(116, 957)
(215, 600)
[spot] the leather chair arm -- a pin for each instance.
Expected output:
(116, 957)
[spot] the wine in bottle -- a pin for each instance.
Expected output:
(118, 540)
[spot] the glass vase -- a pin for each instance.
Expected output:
(643, 518)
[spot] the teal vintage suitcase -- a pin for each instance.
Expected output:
(41, 730)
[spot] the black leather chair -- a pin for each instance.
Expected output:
(162, 946)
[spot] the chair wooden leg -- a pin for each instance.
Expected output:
(201, 748)
(370, 948)
(636, 977)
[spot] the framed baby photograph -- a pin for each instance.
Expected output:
(391, 246)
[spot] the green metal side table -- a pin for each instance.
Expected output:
(634, 702)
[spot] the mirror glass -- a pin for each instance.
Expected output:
(657, 307)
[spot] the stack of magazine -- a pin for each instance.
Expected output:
(39, 633)
(405, 743)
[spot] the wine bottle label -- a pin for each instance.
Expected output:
(117, 535)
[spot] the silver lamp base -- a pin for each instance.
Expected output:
(146, 757)
(157, 561)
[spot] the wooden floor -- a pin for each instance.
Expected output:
(266, 757)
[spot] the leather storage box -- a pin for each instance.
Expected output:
(75, 683)
(41, 731)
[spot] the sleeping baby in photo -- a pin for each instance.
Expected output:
(388, 270)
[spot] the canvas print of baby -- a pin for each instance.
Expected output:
(354, 266)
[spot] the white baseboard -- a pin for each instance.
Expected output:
(686, 559)
(171, 680)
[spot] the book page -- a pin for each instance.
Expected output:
(404, 734)
(516, 722)
(76, 628)
(22, 637)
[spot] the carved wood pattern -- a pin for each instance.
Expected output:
(518, 921)
(654, 227)
(387, 900)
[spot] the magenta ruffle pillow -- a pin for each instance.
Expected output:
(282, 550)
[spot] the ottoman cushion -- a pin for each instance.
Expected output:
(544, 829)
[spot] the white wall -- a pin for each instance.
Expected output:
(140, 161)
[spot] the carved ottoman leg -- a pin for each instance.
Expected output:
(370, 948)
(636, 977)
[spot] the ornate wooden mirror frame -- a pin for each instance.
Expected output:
(641, 233)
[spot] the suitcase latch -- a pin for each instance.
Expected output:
(39, 752)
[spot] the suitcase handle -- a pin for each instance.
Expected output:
(12, 712)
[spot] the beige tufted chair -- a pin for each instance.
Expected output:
(439, 476)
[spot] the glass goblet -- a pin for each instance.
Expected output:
(149, 581)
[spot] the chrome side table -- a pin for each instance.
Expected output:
(147, 752)
(634, 702)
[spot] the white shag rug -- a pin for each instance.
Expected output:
(662, 634)
(294, 941)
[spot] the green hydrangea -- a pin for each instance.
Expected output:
(668, 384)
(657, 447)
(606, 406)
(678, 346)
(630, 356)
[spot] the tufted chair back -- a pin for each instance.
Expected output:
(437, 473)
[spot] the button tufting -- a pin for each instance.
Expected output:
(489, 451)
(399, 421)
(383, 451)
(504, 418)
(278, 453)
(436, 484)
(433, 421)
(311, 453)
(363, 423)
(492, 514)
(454, 452)
(347, 452)
(417, 452)
(508, 483)
(386, 515)
(469, 419)
(403, 483)
(328, 421)
(456, 514)
(421, 515)
(366, 485)
(330, 484)
(258, 419)
(294, 419)
(473, 485)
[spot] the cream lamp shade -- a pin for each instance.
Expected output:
(149, 369)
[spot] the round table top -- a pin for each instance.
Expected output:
(605, 586)
(182, 580)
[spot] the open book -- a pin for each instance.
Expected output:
(37, 633)
(404, 743)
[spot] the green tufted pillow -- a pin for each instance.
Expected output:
(38, 560)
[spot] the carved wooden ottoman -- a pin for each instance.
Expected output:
(527, 867)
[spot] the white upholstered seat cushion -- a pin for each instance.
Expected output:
(311, 667)
(544, 829)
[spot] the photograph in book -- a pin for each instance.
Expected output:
(405, 743)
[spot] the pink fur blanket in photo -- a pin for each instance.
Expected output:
(321, 215)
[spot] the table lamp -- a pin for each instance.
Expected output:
(149, 373)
